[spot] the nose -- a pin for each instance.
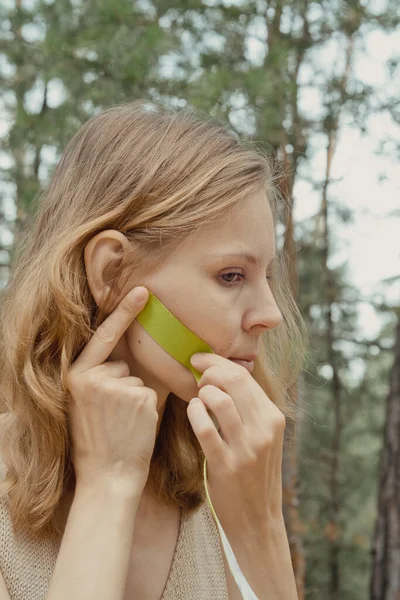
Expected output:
(265, 313)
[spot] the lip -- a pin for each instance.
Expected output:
(247, 364)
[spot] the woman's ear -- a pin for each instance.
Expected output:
(103, 256)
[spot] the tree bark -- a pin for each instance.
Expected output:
(385, 576)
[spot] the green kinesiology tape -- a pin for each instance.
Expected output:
(170, 333)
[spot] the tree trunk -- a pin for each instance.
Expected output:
(332, 529)
(385, 578)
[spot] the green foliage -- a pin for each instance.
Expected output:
(68, 59)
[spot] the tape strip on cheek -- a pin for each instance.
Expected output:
(170, 333)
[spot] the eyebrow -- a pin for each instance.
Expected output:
(250, 258)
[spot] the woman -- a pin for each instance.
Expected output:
(103, 433)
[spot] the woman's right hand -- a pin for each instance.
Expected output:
(113, 416)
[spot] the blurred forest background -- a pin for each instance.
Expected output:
(247, 63)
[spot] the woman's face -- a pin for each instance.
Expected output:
(222, 298)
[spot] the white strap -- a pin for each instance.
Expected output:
(241, 582)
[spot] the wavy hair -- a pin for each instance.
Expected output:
(155, 175)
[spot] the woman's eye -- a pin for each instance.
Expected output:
(231, 277)
(233, 274)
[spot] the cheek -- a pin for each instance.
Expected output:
(220, 330)
(213, 322)
(157, 363)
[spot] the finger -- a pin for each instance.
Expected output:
(114, 368)
(234, 383)
(132, 381)
(224, 409)
(203, 360)
(119, 371)
(107, 335)
(211, 443)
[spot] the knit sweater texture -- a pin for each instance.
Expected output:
(197, 570)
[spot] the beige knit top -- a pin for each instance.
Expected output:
(197, 571)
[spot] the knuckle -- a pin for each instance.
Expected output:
(223, 402)
(266, 442)
(206, 433)
(141, 402)
(205, 391)
(126, 308)
(253, 458)
(236, 376)
(139, 394)
(210, 371)
(105, 334)
(205, 388)
(92, 381)
(152, 398)
(145, 397)
(125, 367)
(280, 421)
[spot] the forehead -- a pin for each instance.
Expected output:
(247, 227)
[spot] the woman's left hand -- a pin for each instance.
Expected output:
(244, 469)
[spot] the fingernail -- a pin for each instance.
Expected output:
(138, 294)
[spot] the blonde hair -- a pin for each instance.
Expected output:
(155, 175)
